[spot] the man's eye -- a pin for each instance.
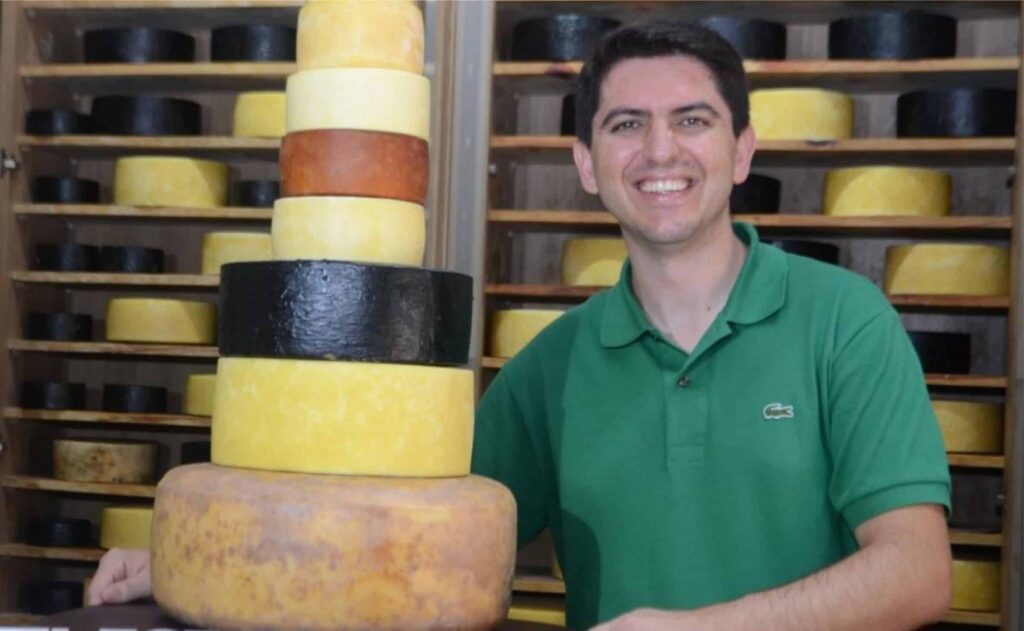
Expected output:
(693, 121)
(625, 126)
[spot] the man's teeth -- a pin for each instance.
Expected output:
(664, 186)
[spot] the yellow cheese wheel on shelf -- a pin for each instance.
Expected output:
(948, 268)
(199, 392)
(234, 247)
(125, 527)
(259, 115)
(976, 585)
(360, 34)
(887, 190)
(112, 462)
(801, 114)
(592, 261)
(970, 427)
(161, 320)
(164, 181)
(512, 329)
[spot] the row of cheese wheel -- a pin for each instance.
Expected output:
(137, 399)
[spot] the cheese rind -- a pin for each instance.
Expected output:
(976, 585)
(161, 320)
(512, 329)
(259, 115)
(801, 114)
(948, 268)
(970, 427)
(592, 261)
(112, 462)
(887, 190)
(163, 181)
(125, 527)
(234, 247)
(199, 392)
(360, 34)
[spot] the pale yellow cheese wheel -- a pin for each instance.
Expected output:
(164, 181)
(801, 114)
(367, 99)
(243, 549)
(970, 427)
(199, 391)
(512, 329)
(352, 418)
(976, 585)
(161, 320)
(592, 261)
(538, 609)
(125, 527)
(360, 34)
(360, 229)
(887, 190)
(948, 268)
(234, 247)
(259, 115)
(111, 462)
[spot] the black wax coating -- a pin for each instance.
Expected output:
(977, 500)
(893, 35)
(52, 395)
(257, 193)
(564, 37)
(757, 194)
(65, 327)
(345, 311)
(943, 353)
(65, 190)
(66, 257)
(58, 532)
(752, 39)
(134, 398)
(568, 126)
(50, 597)
(131, 259)
(195, 451)
(253, 42)
(137, 45)
(56, 123)
(956, 113)
(825, 252)
(145, 116)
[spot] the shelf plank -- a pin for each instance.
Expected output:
(102, 78)
(114, 348)
(110, 146)
(956, 303)
(152, 281)
(15, 618)
(106, 211)
(31, 483)
(26, 551)
(538, 584)
(985, 618)
(975, 461)
(112, 418)
(967, 538)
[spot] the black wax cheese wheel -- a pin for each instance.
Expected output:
(145, 116)
(942, 353)
(58, 532)
(257, 193)
(564, 37)
(892, 35)
(825, 252)
(58, 326)
(757, 194)
(130, 259)
(50, 597)
(977, 500)
(956, 113)
(752, 39)
(134, 398)
(195, 451)
(568, 126)
(253, 42)
(52, 395)
(65, 190)
(66, 257)
(345, 311)
(56, 123)
(137, 45)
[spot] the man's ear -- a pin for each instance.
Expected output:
(745, 144)
(585, 166)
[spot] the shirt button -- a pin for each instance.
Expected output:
(684, 382)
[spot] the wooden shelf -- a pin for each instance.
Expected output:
(114, 146)
(975, 461)
(205, 76)
(149, 281)
(104, 211)
(985, 618)
(966, 538)
(31, 483)
(538, 584)
(14, 619)
(115, 348)
(25, 551)
(918, 302)
(107, 418)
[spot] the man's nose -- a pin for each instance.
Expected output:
(660, 144)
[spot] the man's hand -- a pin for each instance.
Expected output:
(123, 576)
(649, 620)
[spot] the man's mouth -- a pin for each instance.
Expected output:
(663, 187)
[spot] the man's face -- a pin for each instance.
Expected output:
(663, 156)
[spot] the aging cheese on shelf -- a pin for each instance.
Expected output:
(363, 34)
(260, 115)
(970, 427)
(976, 585)
(163, 181)
(559, 37)
(948, 268)
(52, 395)
(199, 391)
(234, 247)
(242, 549)
(145, 115)
(592, 261)
(352, 418)
(119, 462)
(512, 329)
(125, 527)
(131, 259)
(58, 326)
(134, 398)
(252, 42)
(161, 320)
(801, 114)
(887, 190)
(58, 532)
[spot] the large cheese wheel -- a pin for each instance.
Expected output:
(238, 549)
(353, 418)
(801, 114)
(512, 329)
(976, 585)
(114, 462)
(948, 268)
(234, 247)
(199, 391)
(361, 34)
(259, 114)
(125, 527)
(359, 98)
(887, 190)
(970, 427)
(161, 320)
(163, 181)
(592, 261)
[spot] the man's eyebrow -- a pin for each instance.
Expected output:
(700, 105)
(684, 109)
(623, 111)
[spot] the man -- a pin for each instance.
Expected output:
(731, 437)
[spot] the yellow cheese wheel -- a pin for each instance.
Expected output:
(353, 418)
(360, 229)
(948, 268)
(242, 549)
(163, 181)
(976, 585)
(970, 427)
(199, 391)
(367, 99)
(512, 329)
(234, 247)
(259, 114)
(125, 527)
(538, 609)
(113, 462)
(360, 34)
(161, 320)
(592, 261)
(887, 190)
(801, 114)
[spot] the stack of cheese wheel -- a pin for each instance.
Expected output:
(338, 494)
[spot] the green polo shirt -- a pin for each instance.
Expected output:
(677, 480)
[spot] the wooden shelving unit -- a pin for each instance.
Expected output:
(162, 351)
(107, 212)
(31, 483)
(107, 418)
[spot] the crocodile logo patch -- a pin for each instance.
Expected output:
(774, 411)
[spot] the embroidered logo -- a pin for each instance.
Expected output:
(774, 411)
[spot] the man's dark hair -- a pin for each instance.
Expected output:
(661, 39)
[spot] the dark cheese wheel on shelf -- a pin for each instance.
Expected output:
(137, 45)
(565, 37)
(977, 500)
(65, 190)
(59, 327)
(825, 252)
(145, 116)
(130, 259)
(253, 42)
(66, 257)
(56, 123)
(52, 395)
(752, 39)
(58, 532)
(942, 353)
(345, 311)
(568, 126)
(892, 35)
(956, 113)
(757, 194)
(134, 398)
(257, 193)
(50, 597)
(195, 451)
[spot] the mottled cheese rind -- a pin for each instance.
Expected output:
(976, 585)
(259, 115)
(592, 261)
(948, 268)
(112, 462)
(887, 190)
(161, 320)
(801, 114)
(199, 391)
(360, 34)
(512, 329)
(164, 181)
(125, 527)
(234, 247)
(970, 426)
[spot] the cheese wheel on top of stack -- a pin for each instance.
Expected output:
(948, 268)
(360, 34)
(887, 190)
(592, 261)
(801, 114)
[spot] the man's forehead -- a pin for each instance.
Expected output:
(698, 85)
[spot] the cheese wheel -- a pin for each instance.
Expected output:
(976, 585)
(199, 390)
(970, 427)
(352, 418)
(161, 320)
(360, 34)
(539, 609)
(234, 247)
(801, 114)
(948, 268)
(113, 462)
(359, 98)
(238, 549)
(259, 114)
(592, 261)
(162, 181)
(886, 190)
(512, 329)
(125, 527)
